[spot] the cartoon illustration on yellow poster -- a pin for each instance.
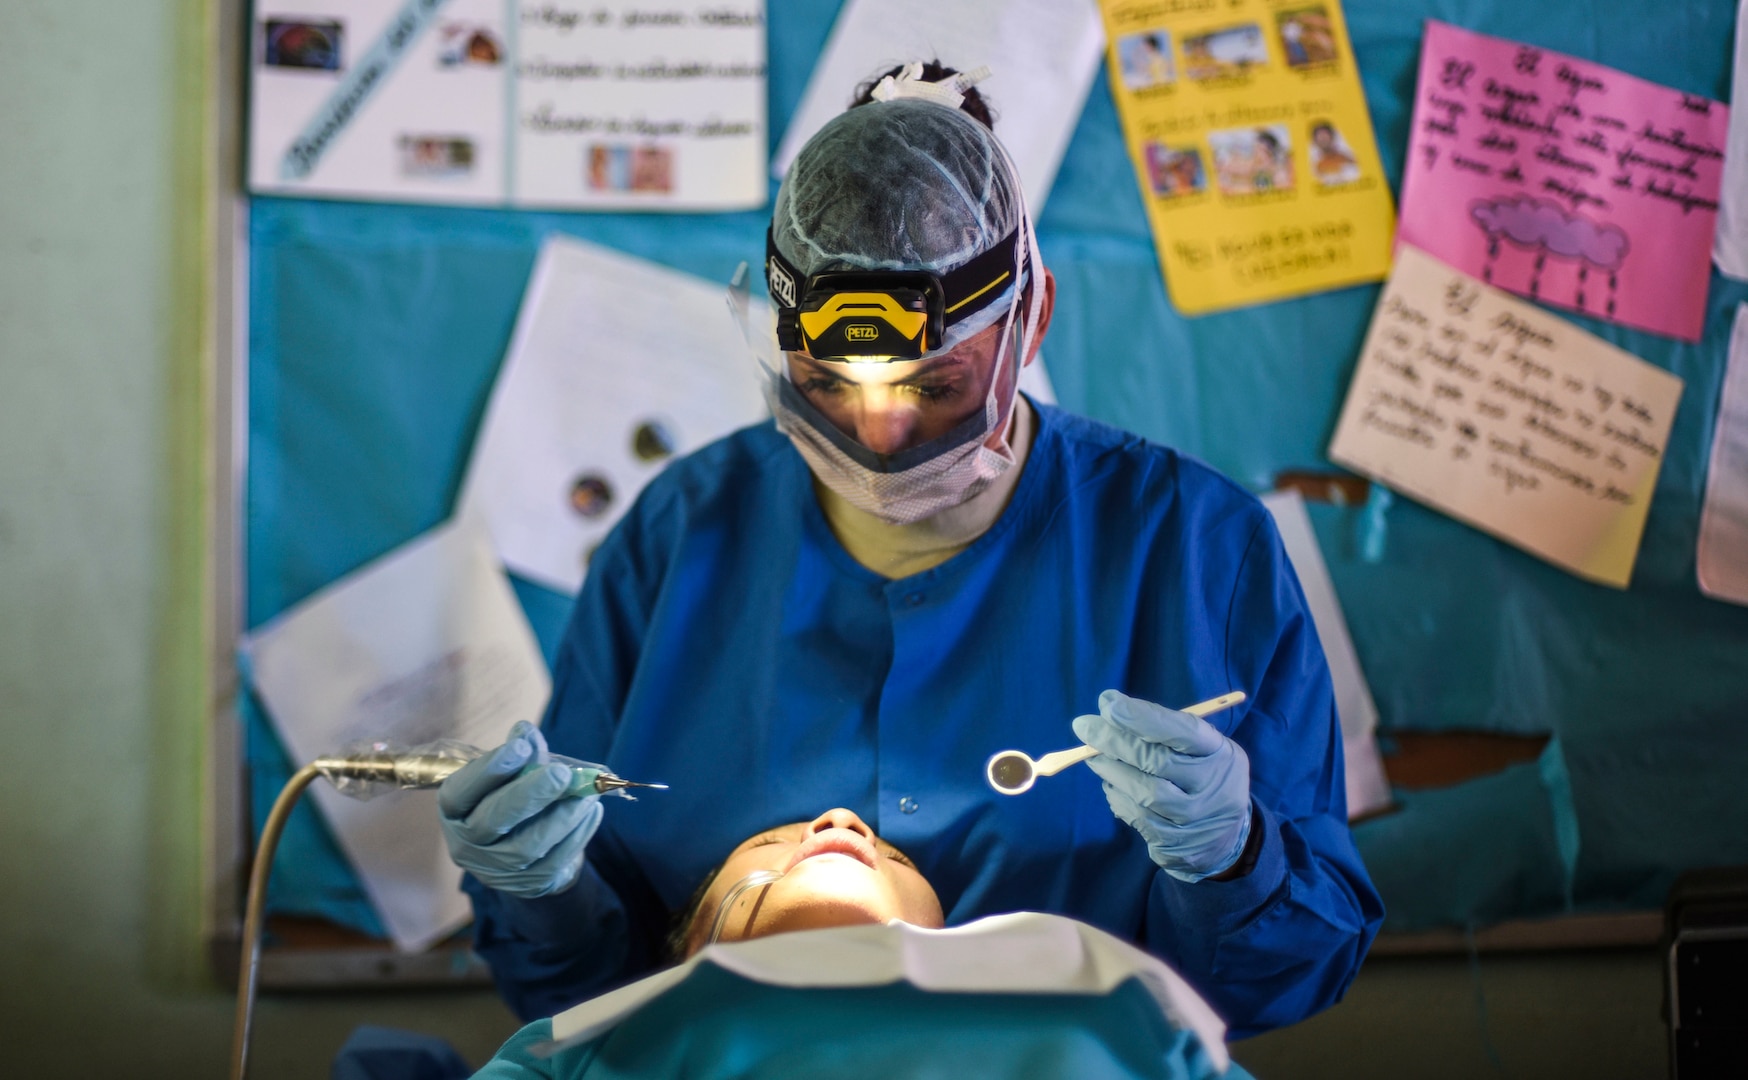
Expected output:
(1253, 147)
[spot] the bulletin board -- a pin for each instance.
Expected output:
(375, 332)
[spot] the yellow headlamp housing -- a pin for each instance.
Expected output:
(880, 315)
(850, 317)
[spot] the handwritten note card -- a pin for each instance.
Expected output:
(1565, 181)
(1508, 418)
(1253, 147)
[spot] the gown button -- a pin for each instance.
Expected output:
(907, 805)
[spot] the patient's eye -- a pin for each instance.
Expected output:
(898, 856)
(775, 836)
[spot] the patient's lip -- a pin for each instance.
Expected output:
(835, 842)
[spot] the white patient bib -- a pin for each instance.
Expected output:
(1023, 953)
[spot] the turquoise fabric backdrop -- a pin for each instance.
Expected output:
(376, 331)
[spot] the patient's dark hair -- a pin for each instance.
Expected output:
(974, 104)
(674, 948)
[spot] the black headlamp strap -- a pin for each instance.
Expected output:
(967, 289)
(781, 278)
(975, 285)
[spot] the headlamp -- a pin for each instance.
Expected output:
(877, 316)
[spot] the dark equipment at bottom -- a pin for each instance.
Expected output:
(1705, 988)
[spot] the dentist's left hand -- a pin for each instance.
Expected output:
(1175, 779)
(517, 833)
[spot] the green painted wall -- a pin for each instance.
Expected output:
(103, 633)
(101, 501)
(103, 625)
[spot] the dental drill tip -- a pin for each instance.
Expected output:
(608, 782)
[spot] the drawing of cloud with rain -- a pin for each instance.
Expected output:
(1546, 229)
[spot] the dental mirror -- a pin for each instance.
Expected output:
(1013, 772)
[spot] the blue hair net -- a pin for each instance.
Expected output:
(897, 185)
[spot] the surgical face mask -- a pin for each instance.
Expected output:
(919, 481)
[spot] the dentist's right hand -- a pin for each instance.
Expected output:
(517, 833)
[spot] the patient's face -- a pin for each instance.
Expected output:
(836, 872)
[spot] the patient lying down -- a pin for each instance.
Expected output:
(836, 872)
(876, 988)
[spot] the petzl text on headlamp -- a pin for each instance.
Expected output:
(874, 316)
(854, 315)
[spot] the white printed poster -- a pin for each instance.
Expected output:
(1722, 562)
(1042, 54)
(604, 105)
(1730, 246)
(1368, 788)
(617, 366)
(1507, 417)
(426, 643)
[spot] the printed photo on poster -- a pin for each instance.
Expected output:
(1253, 161)
(653, 440)
(436, 156)
(468, 45)
(1175, 170)
(1332, 160)
(310, 44)
(1306, 37)
(1227, 53)
(591, 495)
(621, 167)
(1146, 60)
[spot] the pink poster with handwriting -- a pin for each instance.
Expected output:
(1564, 181)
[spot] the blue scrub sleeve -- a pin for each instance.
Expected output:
(549, 952)
(1275, 945)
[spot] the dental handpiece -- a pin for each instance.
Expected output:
(587, 780)
(429, 770)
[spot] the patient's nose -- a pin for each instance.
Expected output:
(839, 819)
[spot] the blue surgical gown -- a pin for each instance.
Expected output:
(725, 643)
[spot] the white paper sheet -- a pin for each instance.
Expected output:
(1043, 55)
(1723, 521)
(611, 105)
(1367, 788)
(1035, 380)
(617, 365)
(426, 643)
(1730, 250)
(1023, 953)
(1511, 419)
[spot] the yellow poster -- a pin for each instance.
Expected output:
(1252, 145)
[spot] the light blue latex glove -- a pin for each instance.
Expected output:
(1175, 779)
(517, 832)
